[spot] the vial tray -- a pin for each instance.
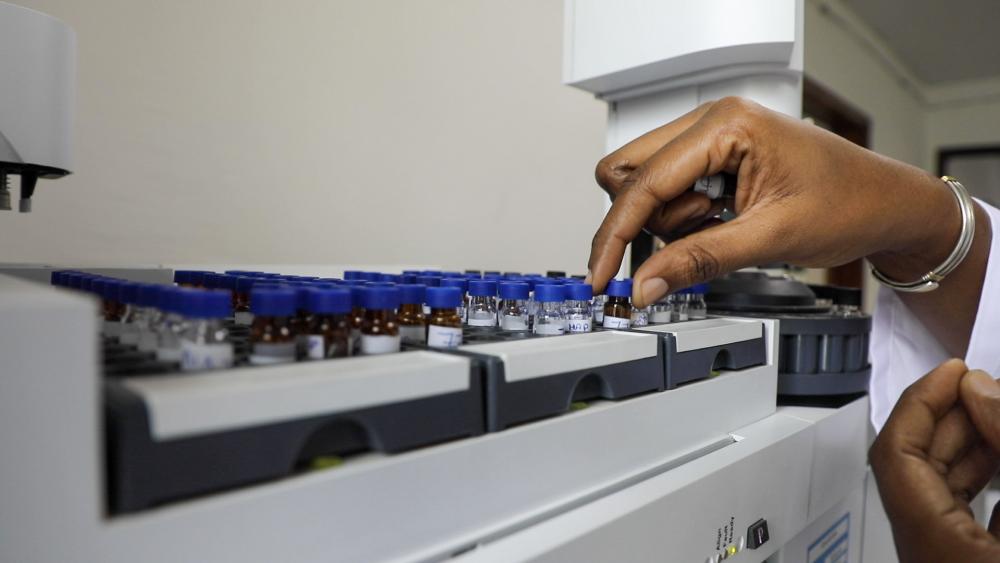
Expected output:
(528, 377)
(171, 437)
(692, 350)
(122, 360)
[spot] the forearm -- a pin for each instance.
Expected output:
(949, 312)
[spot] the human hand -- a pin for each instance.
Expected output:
(935, 453)
(804, 196)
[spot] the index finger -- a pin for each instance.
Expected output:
(614, 168)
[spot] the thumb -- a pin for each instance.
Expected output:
(980, 395)
(704, 255)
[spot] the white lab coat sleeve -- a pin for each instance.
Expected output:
(903, 350)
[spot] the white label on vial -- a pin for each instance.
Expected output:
(372, 344)
(444, 336)
(660, 317)
(512, 322)
(679, 316)
(196, 357)
(315, 346)
(243, 318)
(615, 322)
(413, 334)
(489, 321)
(550, 329)
(267, 353)
(640, 318)
(427, 310)
(578, 325)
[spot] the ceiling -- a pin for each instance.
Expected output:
(939, 40)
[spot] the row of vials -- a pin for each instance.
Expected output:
(194, 323)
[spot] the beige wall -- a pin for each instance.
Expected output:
(359, 132)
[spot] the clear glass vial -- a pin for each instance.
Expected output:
(272, 335)
(549, 317)
(697, 308)
(618, 307)
(444, 325)
(579, 317)
(170, 327)
(482, 303)
(680, 302)
(463, 285)
(205, 342)
(513, 311)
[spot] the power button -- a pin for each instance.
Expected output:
(757, 534)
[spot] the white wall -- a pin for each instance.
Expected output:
(364, 131)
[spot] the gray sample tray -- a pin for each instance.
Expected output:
(527, 377)
(692, 350)
(172, 437)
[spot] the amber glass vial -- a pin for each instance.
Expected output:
(412, 321)
(379, 328)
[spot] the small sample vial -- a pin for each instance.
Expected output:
(272, 338)
(680, 302)
(427, 280)
(549, 318)
(662, 311)
(241, 301)
(598, 307)
(411, 319)
(128, 295)
(148, 316)
(579, 317)
(379, 329)
(170, 327)
(444, 325)
(482, 303)
(110, 292)
(618, 307)
(463, 285)
(205, 342)
(697, 309)
(513, 311)
(640, 317)
(357, 316)
(328, 330)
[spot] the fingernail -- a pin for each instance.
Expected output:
(982, 383)
(653, 289)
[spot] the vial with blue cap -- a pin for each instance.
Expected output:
(205, 342)
(444, 325)
(579, 317)
(697, 308)
(513, 311)
(411, 318)
(148, 316)
(128, 295)
(272, 336)
(549, 317)
(170, 326)
(662, 311)
(379, 328)
(463, 285)
(482, 303)
(618, 306)
(680, 302)
(328, 331)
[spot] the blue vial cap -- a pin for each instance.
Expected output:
(483, 288)
(413, 272)
(97, 286)
(301, 295)
(356, 291)
(165, 301)
(369, 276)
(452, 274)
(411, 293)
(514, 290)
(461, 283)
(619, 288)
(69, 278)
(352, 274)
(148, 295)
(245, 283)
(444, 297)
(87, 281)
(491, 276)
(376, 298)
(204, 303)
(699, 289)
(55, 277)
(408, 278)
(435, 273)
(429, 281)
(227, 281)
(128, 292)
(273, 301)
(547, 293)
(579, 292)
(394, 278)
(108, 288)
(211, 280)
(328, 300)
(511, 275)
